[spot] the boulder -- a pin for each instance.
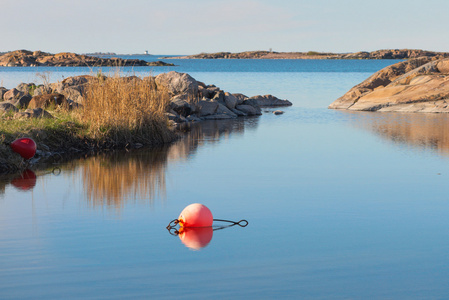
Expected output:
(13, 94)
(181, 106)
(249, 110)
(207, 107)
(223, 110)
(33, 113)
(26, 87)
(6, 107)
(2, 92)
(230, 100)
(41, 90)
(177, 83)
(74, 93)
(266, 100)
(240, 98)
(23, 101)
(44, 101)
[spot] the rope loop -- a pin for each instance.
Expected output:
(241, 223)
(172, 224)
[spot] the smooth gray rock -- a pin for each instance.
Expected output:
(249, 110)
(225, 111)
(206, 108)
(240, 98)
(177, 83)
(267, 100)
(230, 100)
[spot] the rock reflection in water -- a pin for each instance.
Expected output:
(113, 179)
(426, 131)
(208, 132)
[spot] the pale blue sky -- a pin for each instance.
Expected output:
(189, 27)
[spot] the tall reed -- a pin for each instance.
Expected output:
(125, 110)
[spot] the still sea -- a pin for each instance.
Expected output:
(340, 205)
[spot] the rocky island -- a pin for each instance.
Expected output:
(415, 85)
(25, 58)
(379, 54)
(85, 114)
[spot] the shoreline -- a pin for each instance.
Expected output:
(378, 54)
(57, 116)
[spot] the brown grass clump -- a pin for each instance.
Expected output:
(125, 110)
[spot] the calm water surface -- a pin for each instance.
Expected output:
(340, 205)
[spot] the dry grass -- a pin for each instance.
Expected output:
(126, 110)
(117, 111)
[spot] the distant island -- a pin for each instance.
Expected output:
(379, 54)
(25, 58)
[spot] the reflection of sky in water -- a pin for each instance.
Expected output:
(336, 209)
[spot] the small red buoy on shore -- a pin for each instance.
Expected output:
(26, 147)
(196, 215)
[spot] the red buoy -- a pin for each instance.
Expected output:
(26, 181)
(196, 215)
(26, 147)
(195, 238)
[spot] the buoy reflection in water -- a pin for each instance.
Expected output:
(195, 238)
(26, 181)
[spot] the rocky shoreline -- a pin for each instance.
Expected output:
(191, 101)
(416, 85)
(25, 58)
(379, 54)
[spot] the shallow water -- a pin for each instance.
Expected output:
(340, 205)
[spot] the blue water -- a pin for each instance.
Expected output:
(340, 205)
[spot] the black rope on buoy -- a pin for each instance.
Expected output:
(170, 226)
(241, 223)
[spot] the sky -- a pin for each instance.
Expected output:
(181, 27)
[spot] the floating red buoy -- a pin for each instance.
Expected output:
(26, 181)
(195, 237)
(196, 215)
(26, 147)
